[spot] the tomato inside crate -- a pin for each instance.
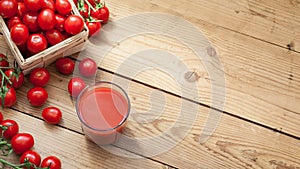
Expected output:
(58, 44)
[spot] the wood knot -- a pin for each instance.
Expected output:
(191, 76)
(211, 51)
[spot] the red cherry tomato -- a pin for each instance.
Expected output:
(46, 19)
(1, 117)
(75, 86)
(19, 34)
(36, 43)
(39, 76)
(65, 66)
(21, 9)
(52, 162)
(87, 67)
(74, 24)
(22, 142)
(12, 128)
(101, 14)
(60, 21)
(33, 5)
(63, 7)
(8, 8)
(32, 156)
(54, 37)
(52, 115)
(84, 12)
(9, 96)
(94, 27)
(16, 77)
(3, 61)
(13, 21)
(30, 19)
(48, 4)
(37, 96)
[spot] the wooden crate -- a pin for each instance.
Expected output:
(67, 47)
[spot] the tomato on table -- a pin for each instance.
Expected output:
(32, 156)
(75, 86)
(52, 115)
(65, 66)
(22, 142)
(87, 67)
(52, 162)
(37, 96)
(94, 27)
(12, 128)
(8, 96)
(16, 77)
(39, 76)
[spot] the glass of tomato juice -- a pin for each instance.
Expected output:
(103, 109)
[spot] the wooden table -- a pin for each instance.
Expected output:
(258, 45)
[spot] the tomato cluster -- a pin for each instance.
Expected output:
(95, 14)
(21, 144)
(36, 25)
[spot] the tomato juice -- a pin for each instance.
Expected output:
(103, 109)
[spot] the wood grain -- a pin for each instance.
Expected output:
(275, 21)
(234, 144)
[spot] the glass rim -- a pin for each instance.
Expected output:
(93, 85)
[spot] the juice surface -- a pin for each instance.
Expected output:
(103, 108)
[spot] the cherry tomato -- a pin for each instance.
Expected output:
(87, 67)
(60, 21)
(63, 7)
(12, 128)
(22, 142)
(3, 61)
(32, 156)
(65, 35)
(33, 5)
(101, 14)
(52, 162)
(48, 4)
(74, 24)
(36, 43)
(46, 19)
(13, 21)
(9, 96)
(8, 8)
(75, 86)
(19, 34)
(1, 117)
(30, 19)
(65, 66)
(21, 9)
(16, 77)
(37, 96)
(94, 27)
(52, 115)
(84, 12)
(39, 76)
(54, 36)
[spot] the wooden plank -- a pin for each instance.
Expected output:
(267, 78)
(275, 21)
(74, 150)
(234, 144)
